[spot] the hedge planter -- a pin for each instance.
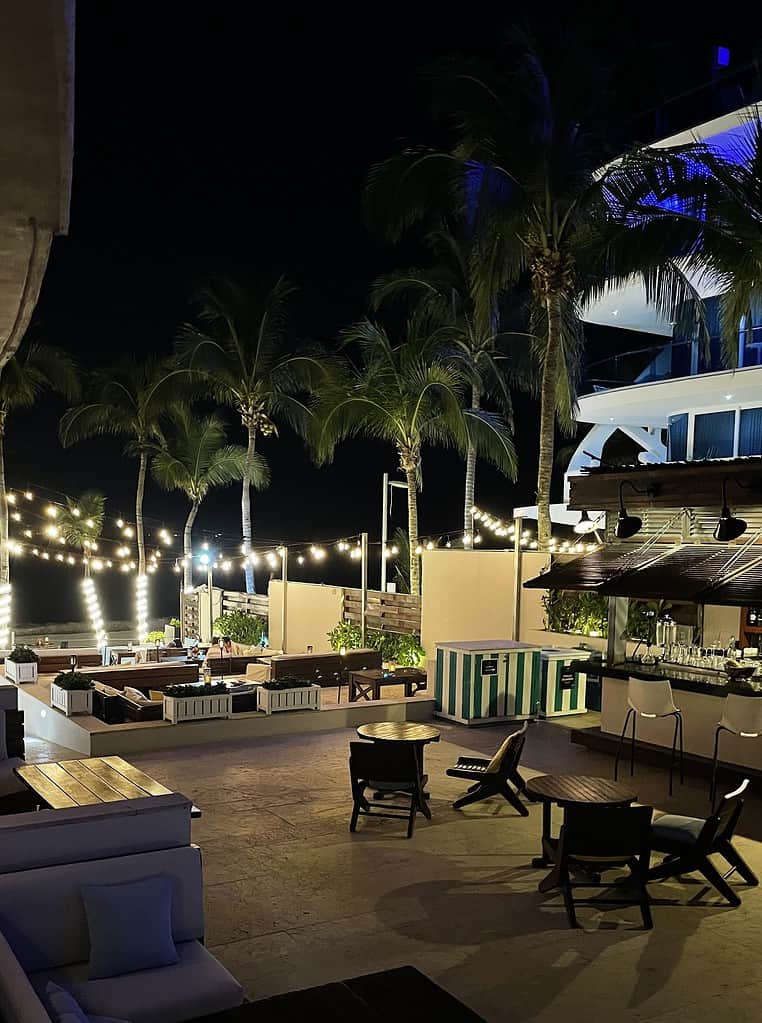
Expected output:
(300, 698)
(195, 708)
(18, 671)
(71, 701)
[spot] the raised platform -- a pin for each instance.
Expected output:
(92, 737)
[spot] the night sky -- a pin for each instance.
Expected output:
(209, 141)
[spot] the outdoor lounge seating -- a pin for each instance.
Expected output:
(45, 860)
(494, 777)
(688, 842)
(598, 838)
(329, 669)
(387, 767)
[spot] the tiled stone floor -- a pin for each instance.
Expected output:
(294, 900)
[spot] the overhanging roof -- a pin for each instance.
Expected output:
(701, 573)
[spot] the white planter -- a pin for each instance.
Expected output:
(193, 708)
(303, 698)
(20, 672)
(71, 701)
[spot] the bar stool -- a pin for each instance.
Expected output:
(651, 699)
(741, 715)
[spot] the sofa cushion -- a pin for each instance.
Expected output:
(197, 985)
(135, 695)
(18, 999)
(130, 926)
(673, 831)
(63, 1006)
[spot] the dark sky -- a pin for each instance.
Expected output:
(207, 141)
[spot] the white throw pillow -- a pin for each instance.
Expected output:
(135, 695)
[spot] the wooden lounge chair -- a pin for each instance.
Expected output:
(689, 842)
(391, 767)
(493, 777)
(599, 838)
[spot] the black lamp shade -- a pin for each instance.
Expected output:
(728, 527)
(627, 525)
(585, 524)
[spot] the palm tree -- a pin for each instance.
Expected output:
(408, 394)
(128, 401)
(240, 344)
(196, 459)
(81, 524)
(526, 176)
(35, 367)
(452, 293)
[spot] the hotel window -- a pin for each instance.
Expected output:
(678, 437)
(713, 435)
(750, 432)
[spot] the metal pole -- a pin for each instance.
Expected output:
(384, 529)
(518, 524)
(210, 588)
(363, 584)
(284, 604)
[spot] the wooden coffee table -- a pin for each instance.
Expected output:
(565, 790)
(89, 781)
(368, 683)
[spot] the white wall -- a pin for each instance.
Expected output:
(312, 610)
(470, 595)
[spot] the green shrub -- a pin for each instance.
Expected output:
(156, 634)
(345, 634)
(288, 683)
(404, 649)
(241, 627)
(175, 623)
(23, 655)
(73, 680)
(582, 613)
(191, 689)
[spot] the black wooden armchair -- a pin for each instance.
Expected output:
(494, 777)
(391, 767)
(688, 842)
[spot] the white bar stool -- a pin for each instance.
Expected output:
(651, 699)
(741, 715)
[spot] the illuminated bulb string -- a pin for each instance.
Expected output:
(92, 604)
(141, 606)
(5, 616)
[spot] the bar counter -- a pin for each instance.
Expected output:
(698, 696)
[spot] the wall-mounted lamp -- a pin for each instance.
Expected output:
(629, 525)
(728, 527)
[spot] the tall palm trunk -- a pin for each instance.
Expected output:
(139, 513)
(548, 417)
(468, 520)
(5, 572)
(188, 546)
(412, 530)
(246, 503)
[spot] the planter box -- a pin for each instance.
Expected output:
(194, 708)
(303, 698)
(20, 672)
(71, 701)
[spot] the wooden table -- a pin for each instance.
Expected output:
(567, 790)
(367, 684)
(93, 780)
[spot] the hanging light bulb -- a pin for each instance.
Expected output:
(128, 531)
(119, 523)
(28, 495)
(51, 511)
(76, 512)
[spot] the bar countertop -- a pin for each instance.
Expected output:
(681, 677)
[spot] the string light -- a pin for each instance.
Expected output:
(119, 523)
(76, 513)
(5, 615)
(141, 606)
(94, 611)
(51, 511)
(16, 516)
(28, 495)
(10, 498)
(128, 531)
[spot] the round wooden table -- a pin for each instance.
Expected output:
(566, 790)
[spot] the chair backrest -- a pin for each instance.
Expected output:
(650, 696)
(383, 761)
(507, 757)
(723, 821)
(742, 714)
(614, 832)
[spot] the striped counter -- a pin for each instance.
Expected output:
(487, 680)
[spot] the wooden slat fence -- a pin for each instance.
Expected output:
(250, 603)
(388, 612)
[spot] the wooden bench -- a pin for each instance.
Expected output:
(145, 676)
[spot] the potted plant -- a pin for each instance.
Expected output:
(72, 693)
(288, 694)
(21, 664)
(197, 700)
